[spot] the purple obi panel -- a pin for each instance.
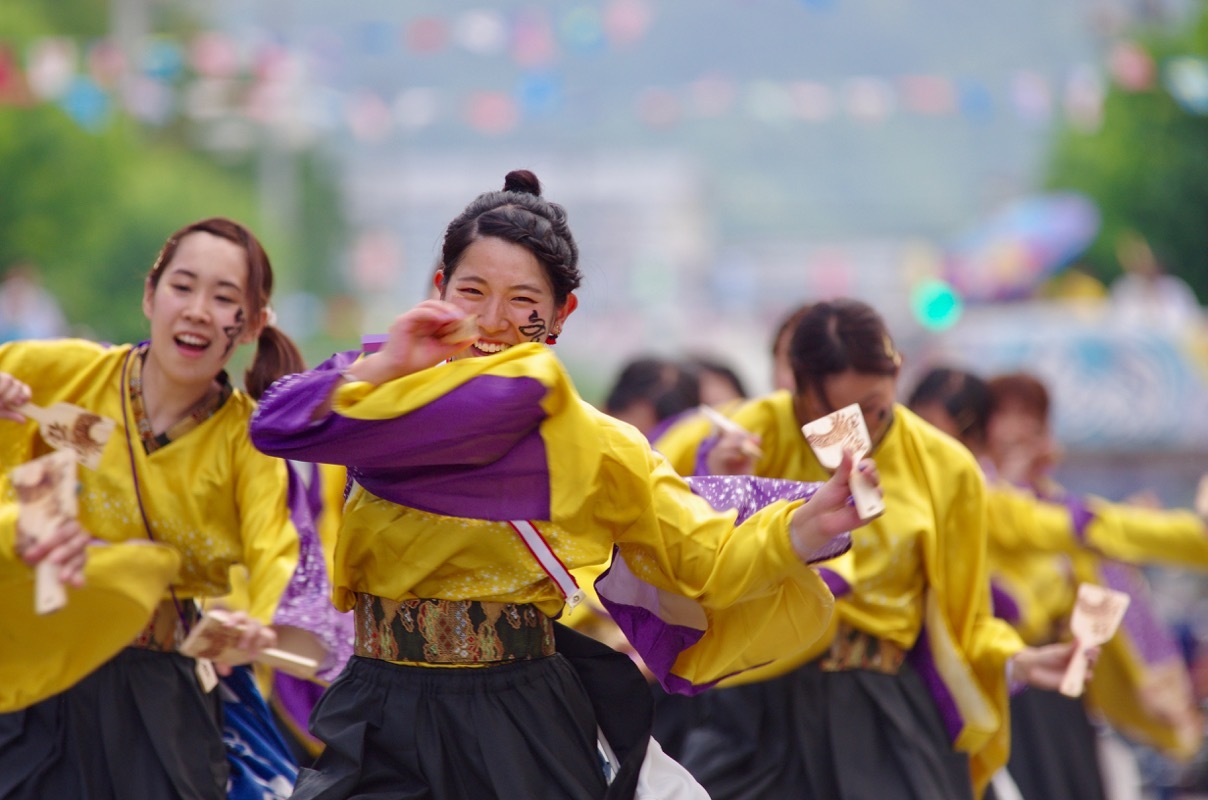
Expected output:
(923, 661)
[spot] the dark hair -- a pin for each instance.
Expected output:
(670, 388)
(276, 354)
(964, 396)
(840, 335)
(703, 364)
(1021, 390)
(787, 326)
(519, 215)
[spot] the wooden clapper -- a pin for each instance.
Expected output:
(46, 486)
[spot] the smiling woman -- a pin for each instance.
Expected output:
(179, 470)
(510, 258)
(211, 284)
(906, 697)
(480, 478)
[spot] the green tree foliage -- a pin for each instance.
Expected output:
(91, 211)
(91, 208)
(1146, 167)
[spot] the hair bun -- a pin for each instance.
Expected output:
(521, 180)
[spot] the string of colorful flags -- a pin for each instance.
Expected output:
(229, 85)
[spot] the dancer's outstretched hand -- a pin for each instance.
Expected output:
(831, 511)
(1045, 666)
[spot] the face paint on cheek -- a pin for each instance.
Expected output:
(535, 330)
(233, 332)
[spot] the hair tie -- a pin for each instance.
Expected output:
(270, 317)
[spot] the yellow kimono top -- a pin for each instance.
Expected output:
(1040, 549)
(445, 458)
(921, 566)
(1175, 537)
(42, 655)
(1142, 685)
(1033, 590)
(209, 495)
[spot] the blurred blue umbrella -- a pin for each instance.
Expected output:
(1009, 254)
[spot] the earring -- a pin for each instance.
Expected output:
(552, 338)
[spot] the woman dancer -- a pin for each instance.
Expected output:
(477, 484)
(1044, 540)
(178, 470)
(906, 697)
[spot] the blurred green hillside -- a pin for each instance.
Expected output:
(89, 200)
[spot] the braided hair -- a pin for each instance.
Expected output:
(520, 215)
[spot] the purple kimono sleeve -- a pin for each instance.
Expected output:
(1081, 515)
(1003, 603)
(282, 425)
(473, 424)
(661, 625)
(1148, 633)
(838, 585)
(747, 494)
(474, 451)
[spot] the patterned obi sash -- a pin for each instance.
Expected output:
(854, 649)
(450, 631)
(166, 630)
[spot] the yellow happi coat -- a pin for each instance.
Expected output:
(922, 561)
(211, 498)
(439, 442)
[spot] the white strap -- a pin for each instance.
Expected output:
(549, 562)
